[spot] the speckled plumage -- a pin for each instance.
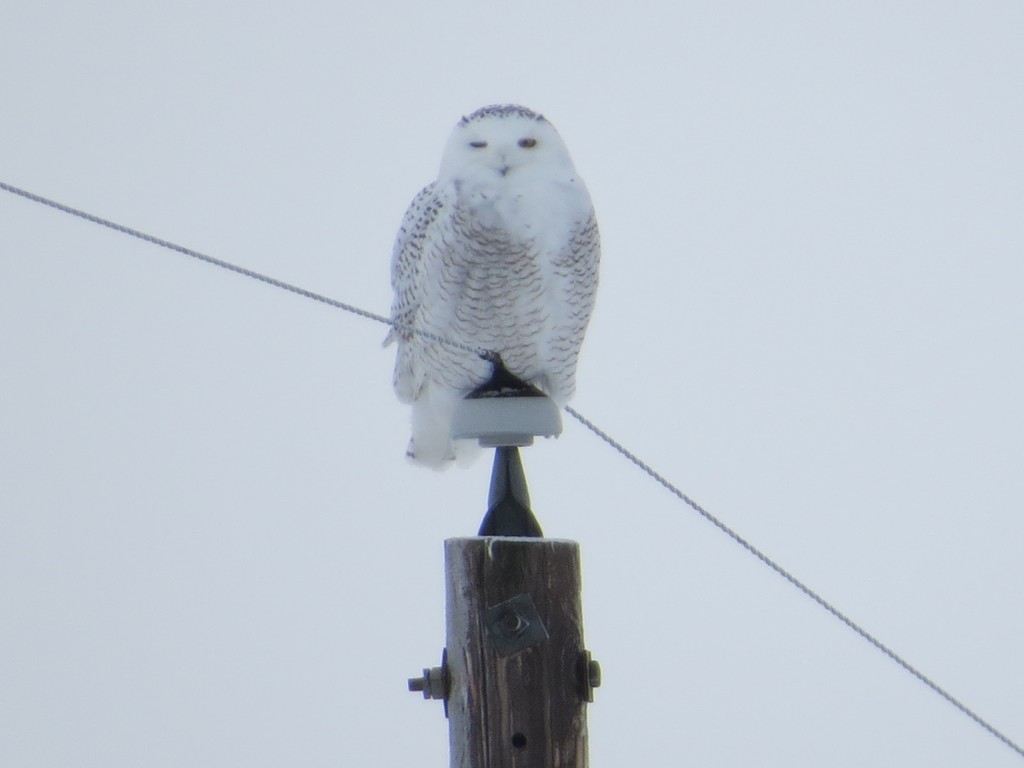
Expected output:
(500, 253)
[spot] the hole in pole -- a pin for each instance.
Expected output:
(518, 740)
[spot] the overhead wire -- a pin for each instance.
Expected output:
(258, 276)
(583, 420)
(788, 576)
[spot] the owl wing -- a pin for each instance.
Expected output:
(407, 280)
(576, 270)
(407, 261)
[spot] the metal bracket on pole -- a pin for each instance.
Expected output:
(514, 625)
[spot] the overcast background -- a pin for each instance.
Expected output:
(212, 551)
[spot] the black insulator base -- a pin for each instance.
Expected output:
(503, 383)
(509, 499)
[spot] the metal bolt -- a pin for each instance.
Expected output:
(589, 675)
(513, 624)
(434, 682)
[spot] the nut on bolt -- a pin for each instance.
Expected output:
(434, 683)
(590, 675)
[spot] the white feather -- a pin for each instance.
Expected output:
(500, 253)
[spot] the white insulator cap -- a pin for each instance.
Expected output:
(506, 421)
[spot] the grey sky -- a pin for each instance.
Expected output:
(212, 552)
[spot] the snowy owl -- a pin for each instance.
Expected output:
(499, 254)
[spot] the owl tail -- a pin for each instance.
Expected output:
(431, 444)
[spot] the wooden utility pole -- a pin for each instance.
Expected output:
(515, 676)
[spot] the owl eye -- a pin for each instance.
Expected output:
(527, 143)
(478, 144)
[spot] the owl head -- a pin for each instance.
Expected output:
(504, 141)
